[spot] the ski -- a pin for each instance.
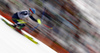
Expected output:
(19, 31)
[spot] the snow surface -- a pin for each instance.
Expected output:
(13, 42)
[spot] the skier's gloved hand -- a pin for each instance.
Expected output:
(39, 21)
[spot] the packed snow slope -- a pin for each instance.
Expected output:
(13, 42)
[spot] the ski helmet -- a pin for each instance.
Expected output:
(32, 10)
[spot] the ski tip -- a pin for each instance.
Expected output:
(31, 39)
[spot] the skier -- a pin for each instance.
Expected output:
(18, 16)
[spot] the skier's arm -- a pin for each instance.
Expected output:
(33, 18)
(38, 20)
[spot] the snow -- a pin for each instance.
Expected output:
(13, 42)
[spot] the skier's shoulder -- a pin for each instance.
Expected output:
(23, 12)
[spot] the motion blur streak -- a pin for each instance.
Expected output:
(68, 25)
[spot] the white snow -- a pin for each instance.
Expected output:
(13, 42)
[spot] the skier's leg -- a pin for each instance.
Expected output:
(15, 18)
(20, 26)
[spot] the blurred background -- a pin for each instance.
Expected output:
(72, 24)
